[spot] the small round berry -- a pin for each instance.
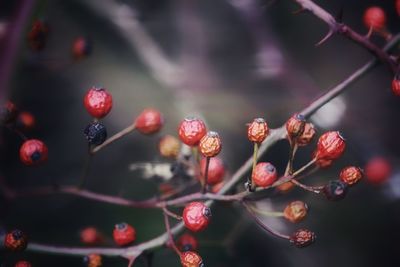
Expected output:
(98, 102)
(187, 242)
(92, 260)
(264, 174)
(96, 133)
(378, 170)
(33, 152)
(210, 145)
(216, 170)
(351, 175)
(396, 87)
(124, 234)
(149, 121)
(191, 130)
(16, 240)
(169, 146)
(191, 259)
(285, 187)
(398, 7)
(375, 18)
(258, 130)
(37, 36)
(296, 211)
(81, 48)
(25, 121)
(23, 264)
(331, 146)
(196, 216)
(295, 126)
(8, 112)
(302, 238)
(90, 236)
(335, 190)
(307, 136)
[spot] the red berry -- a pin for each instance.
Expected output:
(375, 18)
(90, 236)
(322, 163)
(196, 216)
(191, 130)
(331, 146)
(149, 121)
(210, 145)
(378, 170)
(169, 146)
(8, 112)
(23, 264)
(307, 136)
(16, 240)
(98, 102)
(92, 260)
(81, 48)
(37, 36)
(302, 238)
(187, 242)
(25, 121)
(258, 130)
(398, 7)
(296, 211)
(124, 234)
(33, 152)
(396, 87)
(216, 170)
(295, 126)
(264, 174)
(285, 187)
(191, 259)
(351, 175)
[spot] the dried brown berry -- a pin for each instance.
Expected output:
(210, 145)
(302, 238)
(295, 126)
(307, 136)
(296, 211)
(169, 146)
(257, 130)
(351, 175)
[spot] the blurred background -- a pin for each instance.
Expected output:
(227, 61)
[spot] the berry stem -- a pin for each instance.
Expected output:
(86, 169)
(302, 169)
(292, 153)
(114, 138)
(255, 157)
(204, 185)
(172, 214)
(170, 236)
(266, 212)
(313, 189)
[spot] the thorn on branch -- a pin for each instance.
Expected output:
(325, 39)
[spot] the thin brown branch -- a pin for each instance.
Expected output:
(346, 31)
(114, 138)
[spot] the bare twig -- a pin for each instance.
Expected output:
(114, 138)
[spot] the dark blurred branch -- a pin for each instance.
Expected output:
(343, 29)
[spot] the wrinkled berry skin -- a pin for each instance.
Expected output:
(92, 260)
(169, 146)
(210, 145)
(33, 152)
(8, 112)
(302, 238)
(331, 146)
(335, 190)
(25, 121)
(396, 87)
(296, 211)
(90, 236)
(187, 242)
(124, 234)
(23, 264)
(96, 133)
(37, 36)
(149, 121)
(375, 18)
(307, 136)
(191, 130)
(378, 170)
(264, 174)
(257, 131)
(196, 216)
(216, 170)
(16, 240)
(81, 48)
(191, 259)
(98, 102)
(295, 126)
(322, 163)
(351, 175)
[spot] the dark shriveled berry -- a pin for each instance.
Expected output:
(335, 190)
(302, 238)
(16, 240)
(96, 133)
